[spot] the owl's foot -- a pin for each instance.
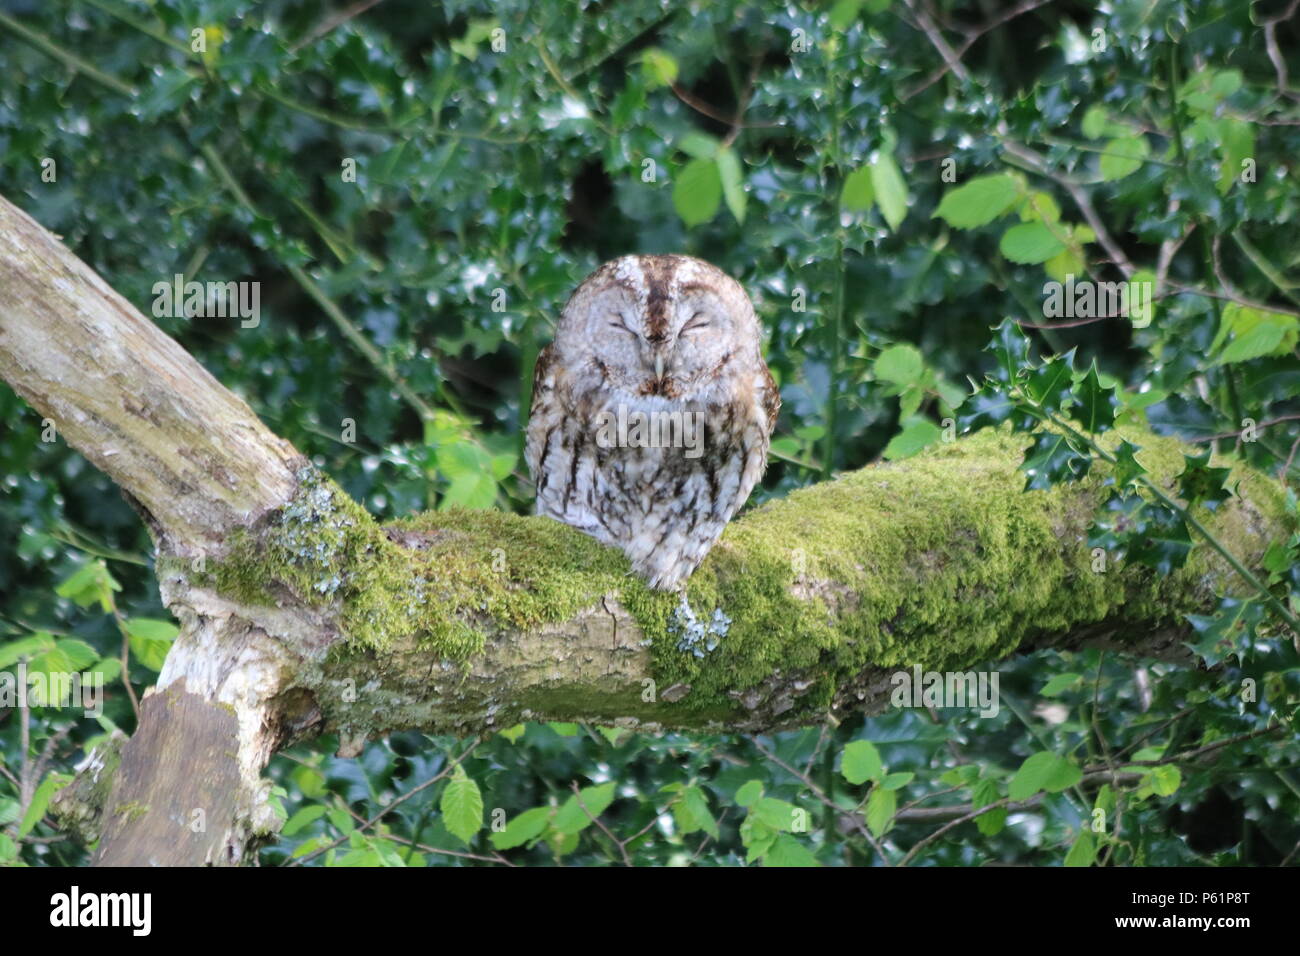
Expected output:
(696, 636)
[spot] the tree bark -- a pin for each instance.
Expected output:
(300, 615)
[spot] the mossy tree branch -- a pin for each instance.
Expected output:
(301, 614)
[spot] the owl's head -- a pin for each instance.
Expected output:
(658, 325)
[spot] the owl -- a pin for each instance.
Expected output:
(652, 412)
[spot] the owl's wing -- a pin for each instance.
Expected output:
(771, 398)
(542, 415)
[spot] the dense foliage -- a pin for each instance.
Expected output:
(417, 186)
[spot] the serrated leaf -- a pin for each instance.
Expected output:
(787, 851)
(900, 364)
(30, 647)
(1094, 408)
(150, 640)
(1052, 459)
(461, 806)
(777, 814)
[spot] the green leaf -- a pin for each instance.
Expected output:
(699, 145)
(168, 91)
(733, 183)
(150, 640)
(979, 201)
(896, 781)
(573, 818)
(1240, 323)
(1095, 121)
(52, 783)
(1053, 459)
(1123, 156)
(1262, 340)
(527, 826)
(881, 806)
(1043, 771)
(304, 817)
(891, 191)
(1059, 684)
(88, 584)
(8, 810)
(658, 68)
(916, 435)
(691, 812)
(1030, 242)
(858, 193)
(1095, 408)
(30, 647)
(475, 491)
(462, 806)
(1164, 781)
(512, 734)
(1127, 467)
(901, 364)
(1237, 141)
(993, 822)
(777, 814)
(698, 192)
(749, 794)
(861, 762)
(1083, 852)
(787, 851)
(844, 13)
(1198, 483)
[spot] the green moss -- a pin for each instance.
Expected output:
(941, 560)
(447, 578)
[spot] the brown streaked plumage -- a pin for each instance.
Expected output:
(671, 342)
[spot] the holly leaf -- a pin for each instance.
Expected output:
(1200, 484)
(1095, 406)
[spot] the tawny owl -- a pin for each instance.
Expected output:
(652, 411)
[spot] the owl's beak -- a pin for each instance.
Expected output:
(659, 365)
